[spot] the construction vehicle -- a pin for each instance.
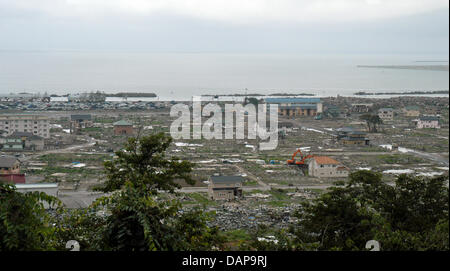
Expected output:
(301, 162)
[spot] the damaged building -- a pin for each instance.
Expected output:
(427, 122)
(78, 122)
(292, 107)
(22, 141)
(386, 114)
(123, 127)
(35, 124)
(225, 187)
(326, 167)
(350, 136)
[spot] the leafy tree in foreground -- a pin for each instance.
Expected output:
(24, 222)
(142, 223)
(143, 165)
(406, 216)
(86, 226)
(138, 220)
(410, 215)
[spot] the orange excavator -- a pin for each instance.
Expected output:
(302, 160)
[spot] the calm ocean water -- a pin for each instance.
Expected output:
(179, 76)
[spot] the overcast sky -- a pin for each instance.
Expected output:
(261, 26)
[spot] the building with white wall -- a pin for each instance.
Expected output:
(326, 167)
(36, 124)
(386, 113)
(428, 122)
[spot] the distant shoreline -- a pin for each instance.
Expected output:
(259, 95)
(408, 67)
(403, 93)
(132, 94)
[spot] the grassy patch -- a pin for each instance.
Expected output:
(92, 129)
(251, 183)
(238, 235)
(70, 157)
(399, 159)
(202, 199)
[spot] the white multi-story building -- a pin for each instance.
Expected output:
(35, 124)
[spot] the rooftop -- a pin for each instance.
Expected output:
(7, 161)
(325, 160)
(25, 134)
(36, 185)
(20, 134)
(301, 106)
(122, 123)
(357, 133)
(346, 129)
(349, 138)
(362, 104)
(292, 100)
(415, 108)
(429, 118)
(20, 115)
(80, 117)
(227, 179)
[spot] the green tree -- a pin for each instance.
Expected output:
(24, 223)
(410, 215)
(372, 121)
(136, 219)
(253, 101)
(143, 165)
(86, 226)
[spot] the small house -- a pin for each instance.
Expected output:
(326, 167)
(9, 165)
(225, 187)
(350, 136)
(123, 127)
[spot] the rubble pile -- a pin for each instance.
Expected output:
(230, 217)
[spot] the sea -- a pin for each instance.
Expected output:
(179, 76)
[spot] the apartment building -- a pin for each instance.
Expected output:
(35, 124)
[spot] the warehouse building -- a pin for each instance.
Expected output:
(292, 107)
